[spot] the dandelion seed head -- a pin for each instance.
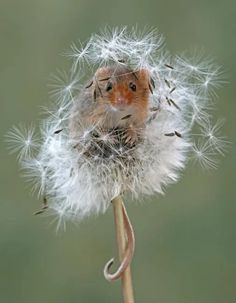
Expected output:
(80, 172)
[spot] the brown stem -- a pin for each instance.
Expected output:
(128, 253)
(125, 244)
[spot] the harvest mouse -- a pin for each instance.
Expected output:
(116, 98)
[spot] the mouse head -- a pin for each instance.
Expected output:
(120, 87)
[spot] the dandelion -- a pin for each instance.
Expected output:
(176, 104)
(126, 129)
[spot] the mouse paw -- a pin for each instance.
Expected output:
(130, 137)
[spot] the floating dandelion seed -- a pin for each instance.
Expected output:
(21, 140)
(213, 136)
(204, 155)
(92, 147)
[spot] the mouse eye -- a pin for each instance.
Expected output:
(109, 86)
(132, 86)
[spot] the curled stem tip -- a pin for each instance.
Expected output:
(128, 254)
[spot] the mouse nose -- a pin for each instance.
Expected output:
(120, 100)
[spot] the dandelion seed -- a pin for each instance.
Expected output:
(22, 141)
(204, 155)
(169, 66)
(212, 134)
(63, 87)
(80, 55)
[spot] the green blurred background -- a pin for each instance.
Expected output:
(186, 249)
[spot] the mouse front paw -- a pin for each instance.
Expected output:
(131, 137)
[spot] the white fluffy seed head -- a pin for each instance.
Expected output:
(76, 184)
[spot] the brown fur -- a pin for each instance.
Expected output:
(107, 108)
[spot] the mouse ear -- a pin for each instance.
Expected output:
(102, 73)
(144, 76)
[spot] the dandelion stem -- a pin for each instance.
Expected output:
(128, 252)
(119, 216)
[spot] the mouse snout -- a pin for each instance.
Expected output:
(120, 100)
